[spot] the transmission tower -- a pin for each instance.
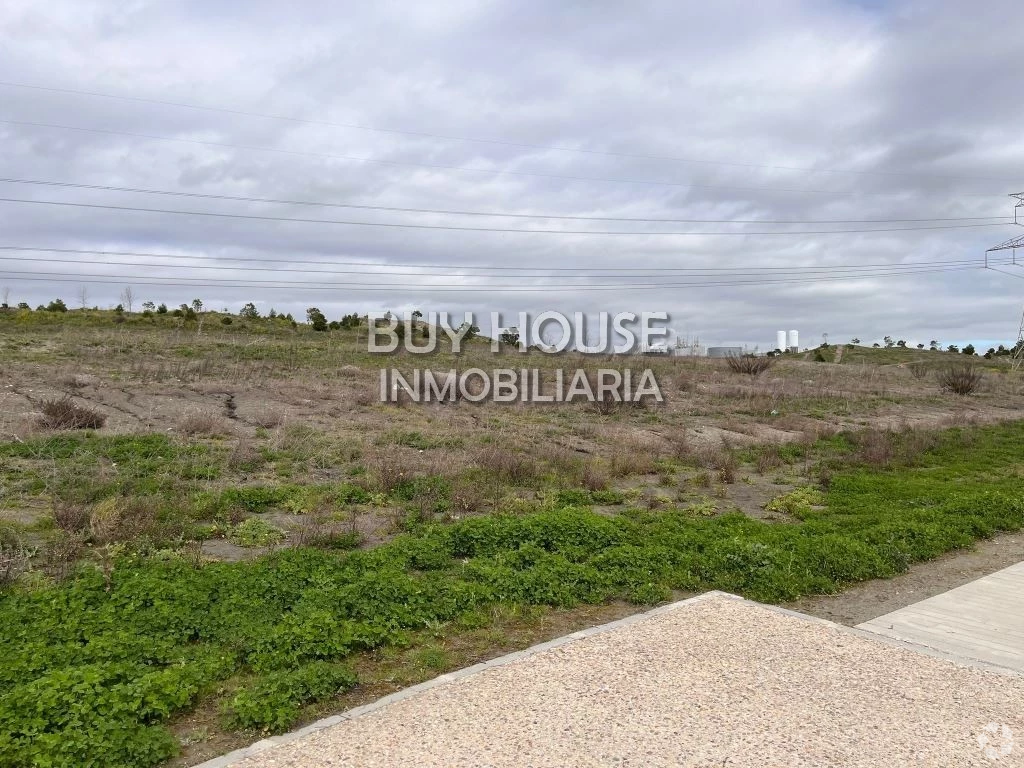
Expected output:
(1014, 242)
(1017, 361)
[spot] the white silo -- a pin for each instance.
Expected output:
(794, 341)
(780, 341)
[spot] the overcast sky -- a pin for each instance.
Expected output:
(783, 110)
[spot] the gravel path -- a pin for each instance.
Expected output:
(711, 682)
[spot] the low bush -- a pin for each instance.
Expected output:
(751, 365)
(200, 423)
(64, 413)
(919, 369)
(963, 379)
(507, 464)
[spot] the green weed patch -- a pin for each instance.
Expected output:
(93, 670)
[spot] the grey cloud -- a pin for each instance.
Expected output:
(923, 89)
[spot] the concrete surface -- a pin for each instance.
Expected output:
(711, 681)
(982, 620)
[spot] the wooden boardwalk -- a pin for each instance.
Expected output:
(982, 620)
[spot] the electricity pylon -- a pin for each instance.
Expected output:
(1017, 360)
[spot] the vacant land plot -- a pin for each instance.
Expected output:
(231, 535)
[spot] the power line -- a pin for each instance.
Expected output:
(299, 285)
(1003, 272)
(500, 142)
(438, 166)
(709, 272)
(488, 214)
(411, 265)
(452, 228)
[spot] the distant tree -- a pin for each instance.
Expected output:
(197, 306)
(933, 345)
(119, 309)
(57, 305)
(148, 306)
(471, 331)
(901, 343)
(509, 336)
(952, 348)
(24, 305)
(249, 311)
(128, 298)
(889, 341)
(162, 309)
(316, 319)
(876, 345)
(920, 346)
(991, 353)
(272, 313)
(968, 350)
(855, 341)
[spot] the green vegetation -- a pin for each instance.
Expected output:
(799, 503)
(96, 665)
(254, 532)
(272, 701)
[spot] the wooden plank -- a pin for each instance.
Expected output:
(981, 620)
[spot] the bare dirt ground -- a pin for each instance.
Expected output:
(313, 399)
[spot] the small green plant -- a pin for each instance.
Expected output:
(706, 507)
(254, 532)
(272, 702)
(799, 503)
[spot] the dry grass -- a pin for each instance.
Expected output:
(963, 379)
(633, 455)
(201, 423)
(268, 418)
(507, 464)
(679, 443)
(15, 558)
(919, 369)
(64, 413)
(70, 516)
(751, 365)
